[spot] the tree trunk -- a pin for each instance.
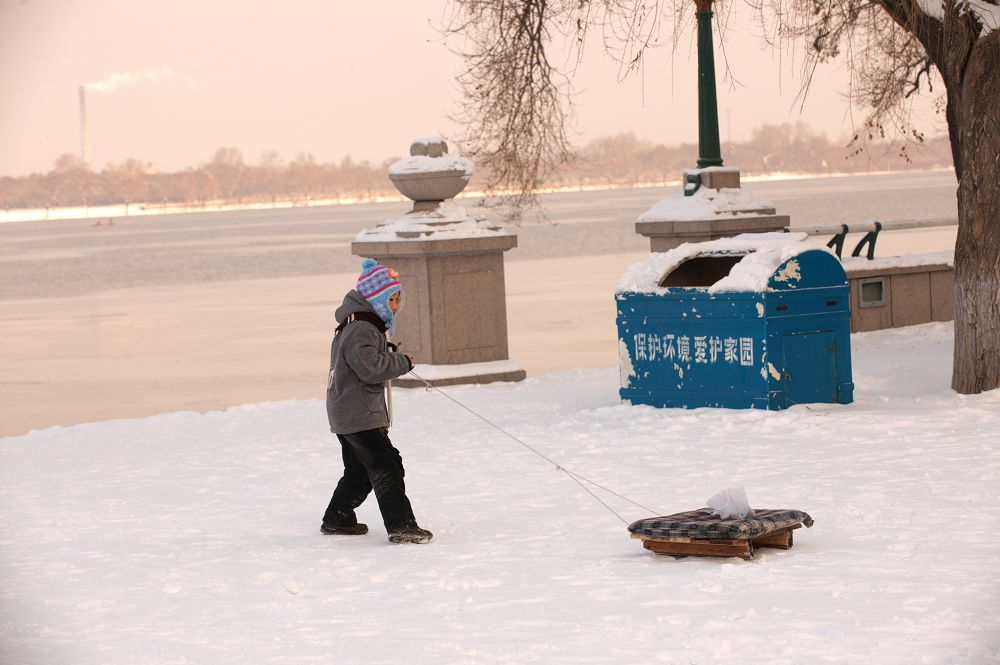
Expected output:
(973, 101)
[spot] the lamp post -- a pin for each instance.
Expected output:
(712, 204)
(709, 152)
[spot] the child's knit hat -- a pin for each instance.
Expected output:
(376, 284)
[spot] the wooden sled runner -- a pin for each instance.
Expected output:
(699, 533)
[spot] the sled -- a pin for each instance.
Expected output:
(699, 533)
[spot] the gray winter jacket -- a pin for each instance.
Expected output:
(360, 364)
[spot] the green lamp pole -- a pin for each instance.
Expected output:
(709, 152)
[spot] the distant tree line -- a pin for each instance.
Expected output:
(225, 177)
(610, 161)
(785, 148)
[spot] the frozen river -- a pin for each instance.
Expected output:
(71, 257)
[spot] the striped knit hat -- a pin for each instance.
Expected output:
(376, 284)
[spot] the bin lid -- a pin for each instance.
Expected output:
(747, 262)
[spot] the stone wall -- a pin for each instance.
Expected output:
(909, 296)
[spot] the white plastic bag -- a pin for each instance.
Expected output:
(730, 504)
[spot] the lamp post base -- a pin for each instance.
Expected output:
(713, 206)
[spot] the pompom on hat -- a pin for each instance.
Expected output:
(376, 284)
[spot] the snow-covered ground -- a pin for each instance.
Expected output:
(189, 538)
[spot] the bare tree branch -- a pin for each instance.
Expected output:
(518, 105)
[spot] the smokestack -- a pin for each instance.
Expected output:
(84, 153)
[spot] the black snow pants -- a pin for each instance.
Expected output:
(370, 462)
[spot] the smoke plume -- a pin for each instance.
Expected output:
(113, 81)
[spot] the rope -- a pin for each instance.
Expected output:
(575, 477)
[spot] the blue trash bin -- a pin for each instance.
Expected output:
(755, 321)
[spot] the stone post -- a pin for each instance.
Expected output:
(454, 315)
(709, 150)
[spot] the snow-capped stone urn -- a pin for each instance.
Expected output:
(454, 317)
(431, 175)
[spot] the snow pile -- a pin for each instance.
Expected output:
(933, 8)
(858, 263)
(707, 204)
(194, 538)
(985, 13)
(446, 221)
(764, 253)
(439, 372)
(426, 164)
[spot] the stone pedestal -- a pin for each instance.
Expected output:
(454, 315)
(713, 205)
(454, 306)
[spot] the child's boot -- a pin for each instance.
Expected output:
(409, 532)
(358, 529)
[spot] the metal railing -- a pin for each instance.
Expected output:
(871, 231)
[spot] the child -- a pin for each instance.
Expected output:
(361, 361)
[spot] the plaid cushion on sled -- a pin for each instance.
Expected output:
(702, 524)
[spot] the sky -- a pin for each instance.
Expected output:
(170, 82)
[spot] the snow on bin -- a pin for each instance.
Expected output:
(754, 321)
